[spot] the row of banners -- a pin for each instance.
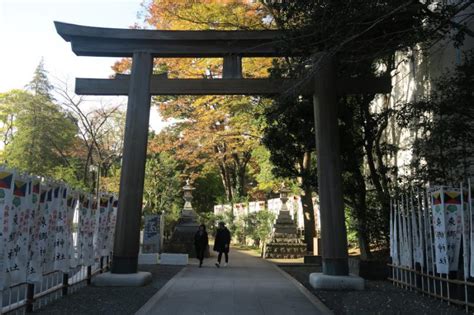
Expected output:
(38, 225)
(430, 228)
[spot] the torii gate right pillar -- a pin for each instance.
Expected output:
(333, 230)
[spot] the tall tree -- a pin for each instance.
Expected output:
(101, 128)
(44, 131)
(213, 129)
(289, 136)
(40, 84)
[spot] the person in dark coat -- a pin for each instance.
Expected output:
(200, 243)
(222, 244)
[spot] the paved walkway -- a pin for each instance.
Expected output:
(249, 285)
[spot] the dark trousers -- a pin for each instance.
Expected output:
(200, 253)
(219, 257)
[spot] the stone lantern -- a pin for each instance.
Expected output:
(188, 197)
(182, 239)
(284, 197)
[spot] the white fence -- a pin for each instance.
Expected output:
(37, 240)
(432, 242)
(293, 204)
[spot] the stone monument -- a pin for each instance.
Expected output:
(182, 239)
(285, 242)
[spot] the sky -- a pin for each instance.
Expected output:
(27, 34)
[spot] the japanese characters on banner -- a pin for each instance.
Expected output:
(453, 219)
(430, 229)
(34, 273)
(61, 251)
(6, 195)
(37, 227)
(102, 225)
(440, 231)
(16, 236)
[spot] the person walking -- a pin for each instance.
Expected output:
(201, 242)
(222, 244)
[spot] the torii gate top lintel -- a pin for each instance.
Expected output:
(113, 42)
(229, 45)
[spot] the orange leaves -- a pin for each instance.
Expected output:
(202, 15)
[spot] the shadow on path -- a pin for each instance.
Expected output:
(249, 285)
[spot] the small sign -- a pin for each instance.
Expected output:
(152, 234)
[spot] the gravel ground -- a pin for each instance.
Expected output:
(112, 300)
(379, 297)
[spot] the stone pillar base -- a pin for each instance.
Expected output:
(325, 282)
(108, 279)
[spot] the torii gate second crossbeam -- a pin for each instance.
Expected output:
(143, 46)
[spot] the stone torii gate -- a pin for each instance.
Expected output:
(232, 46)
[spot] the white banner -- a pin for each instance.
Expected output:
(6, 196)
(439, 229)
(16, 240)
(51, 215)
(394, 234)
(86, 231)
(72, 203)
(428, 230)
(34, 258)
(37, 227)
(112, 222)
(44, 225)
(416, 238)
(453, 212)
(406, 254)
(101, 226)
(61, 249)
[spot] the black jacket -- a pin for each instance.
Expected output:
(222, 239)
(201, 240)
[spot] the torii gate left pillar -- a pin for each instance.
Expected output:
(127, 241)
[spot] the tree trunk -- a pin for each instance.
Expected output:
(226, 182)
(308, 215)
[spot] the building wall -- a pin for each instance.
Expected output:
(412, 80)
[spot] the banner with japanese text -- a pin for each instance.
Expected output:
(34, 256)
(6, 196)
(85, 231)
(16, 233)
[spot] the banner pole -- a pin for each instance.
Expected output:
(409, 239)
(430, 219)
(420, 239)
(464, 252)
